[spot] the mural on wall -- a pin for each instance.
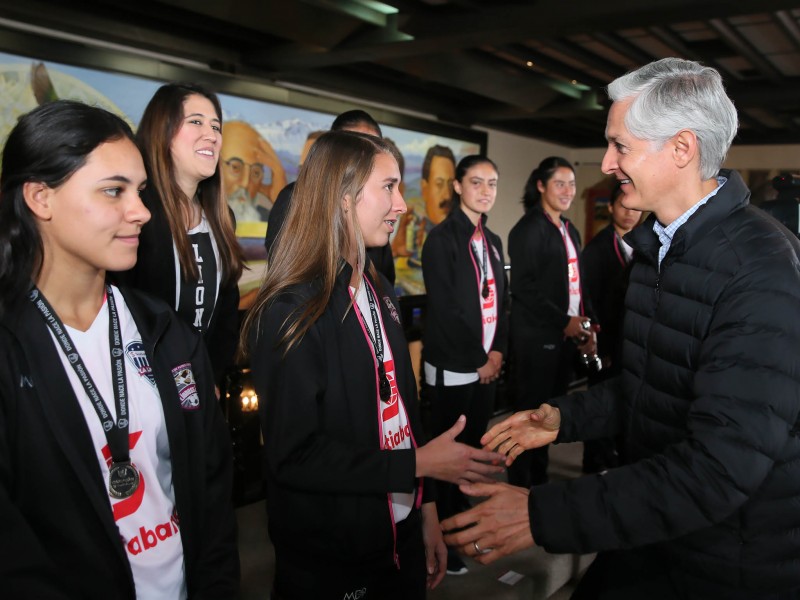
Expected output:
(263, 146)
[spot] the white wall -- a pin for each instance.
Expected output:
(516, 157)
(764, 157)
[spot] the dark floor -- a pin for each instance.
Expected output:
(540, 575)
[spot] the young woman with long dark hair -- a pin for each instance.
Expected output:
(350, 508)
(115, 462)
(189, 255)
(549, 310)
(466, 325)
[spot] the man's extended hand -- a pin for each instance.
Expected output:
(522, 431)
(497, 527)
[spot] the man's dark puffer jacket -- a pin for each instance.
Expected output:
(708, 401)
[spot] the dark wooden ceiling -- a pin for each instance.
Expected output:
(534, 68)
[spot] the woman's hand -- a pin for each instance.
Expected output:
(491, 370)
(446, 459)
(435, 548)
(488, 372)
(522, 431)
(575, 329)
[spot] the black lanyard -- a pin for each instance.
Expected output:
(123, 478)
(484, 265)
(384, 389)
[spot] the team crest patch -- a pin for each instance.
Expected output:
(135, 353)
(392, 310)
(187, 388)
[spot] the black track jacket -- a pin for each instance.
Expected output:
(59, 539)
(453, 335)
(327, 477)
(708, 400)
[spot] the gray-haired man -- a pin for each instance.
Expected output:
(709, 397)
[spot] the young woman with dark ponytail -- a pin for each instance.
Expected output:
(549, 309)
(466, 325)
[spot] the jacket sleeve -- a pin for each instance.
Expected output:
(525, 252)
(445, 303)
(744, 414)
(218, 556)
(300, 453)
(223, 335)
(593, 275)
(26, 570)
(592, 414)
(277, 215)
(596, 284)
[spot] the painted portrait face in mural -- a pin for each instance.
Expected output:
(242, 149)
(436, 184)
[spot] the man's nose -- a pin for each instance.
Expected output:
(609, 162)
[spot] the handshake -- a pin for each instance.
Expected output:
(500, 525)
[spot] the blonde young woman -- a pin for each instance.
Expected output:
(349, 503)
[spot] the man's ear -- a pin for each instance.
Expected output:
(685, 148)
(38, 197)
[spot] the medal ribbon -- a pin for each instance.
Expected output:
(484, 264)
(116, 433)
(385, 390)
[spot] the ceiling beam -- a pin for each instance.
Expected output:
(739, 44)
(505, 24)
(548, 63)
(788, 25)
(589, 59)
(675, 42)
(623, 47)
(589, 105)
(488, 76)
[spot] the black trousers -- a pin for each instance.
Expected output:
(475, 401)
(543, 364)
(310, 577)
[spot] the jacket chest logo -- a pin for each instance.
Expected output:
(187, 387)
(135, 353)
(392, 310)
